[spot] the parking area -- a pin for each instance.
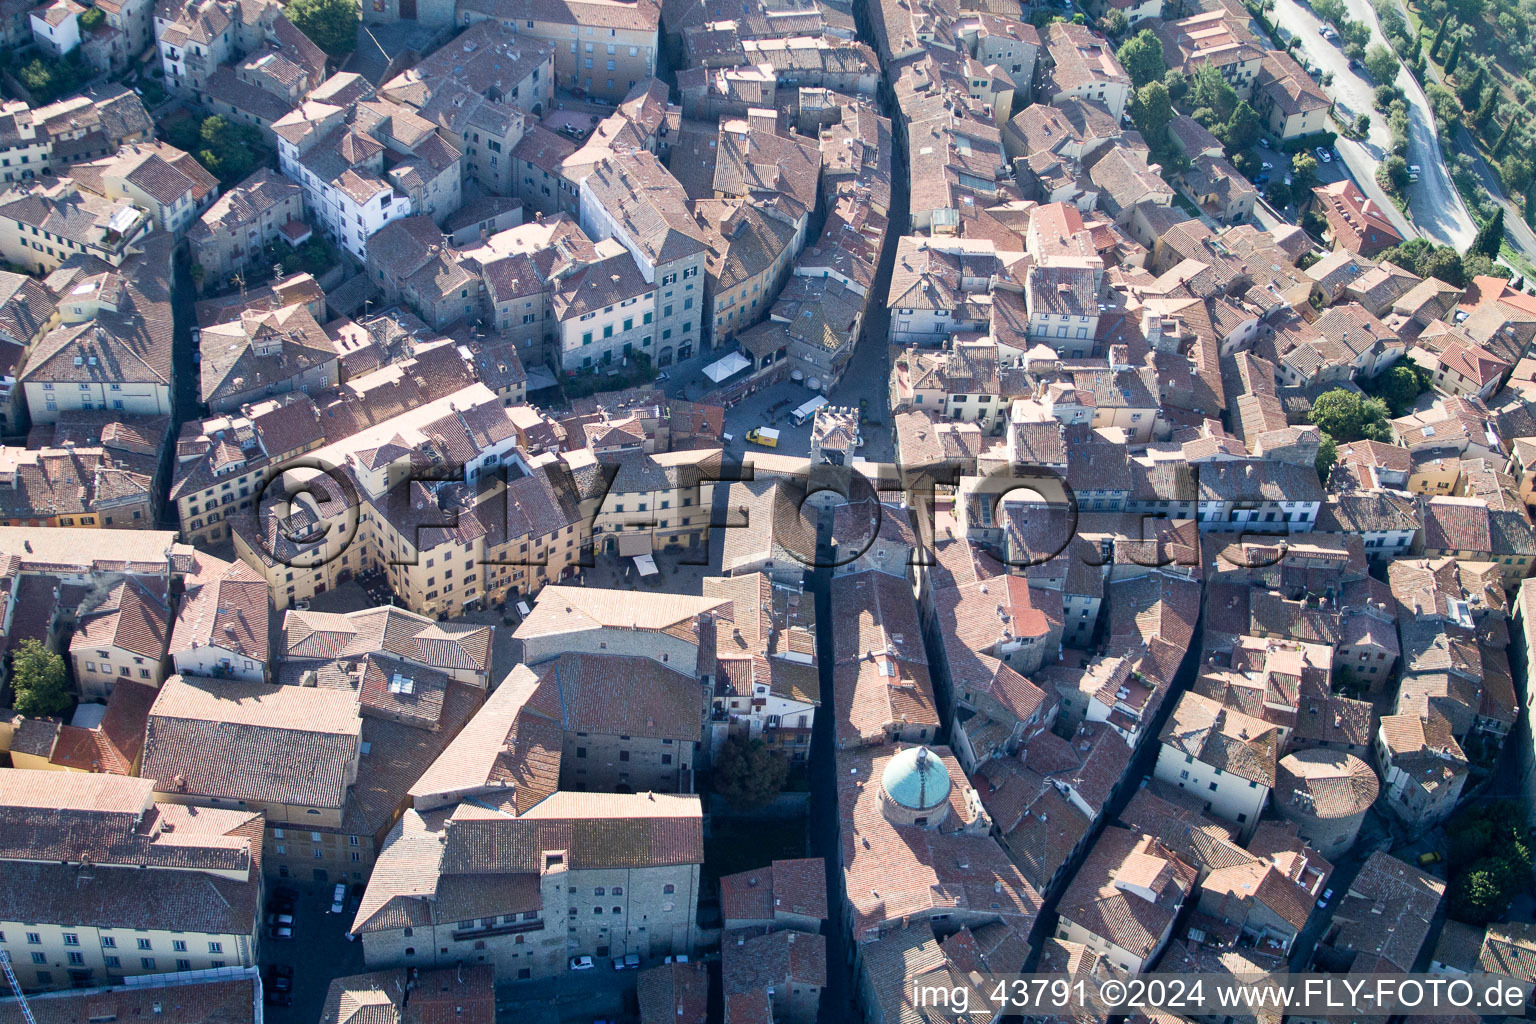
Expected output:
(318, 951)
(867, 379)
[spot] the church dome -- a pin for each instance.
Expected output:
(916, 779)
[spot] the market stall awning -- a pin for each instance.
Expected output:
(646, 564)
(723, 368)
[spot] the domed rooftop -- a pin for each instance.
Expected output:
(916, 779)
(1325, 783)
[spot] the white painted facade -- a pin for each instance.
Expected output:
(1229, 796)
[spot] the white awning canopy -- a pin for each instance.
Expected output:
(646, 564)
(729, 366)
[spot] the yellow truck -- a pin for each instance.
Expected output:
(768, 437)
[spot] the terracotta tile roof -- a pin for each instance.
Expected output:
(512, 743)
(1223, 738)
(445, 646)
(1098, 899)
(1387, 911)
(115, 743)
(785, 886)
(131, 616)
(674, 994)
(622, 695)
(565, 609)
(895, 872)
(400, 996)
(253, 741)
(227, 608)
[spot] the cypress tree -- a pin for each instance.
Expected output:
(1454, 57)
(1416, 51)
(1530, 205)
(1484, 115)
(1434, 46)
(1498, 147)
(1472, 93)
(1491, 235)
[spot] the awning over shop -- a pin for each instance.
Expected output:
(646, 564)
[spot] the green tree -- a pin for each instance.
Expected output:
(1327, 456)
(1209, 91)
(1471, 94)
(1346, 416)
(1484, 116)
(1381, 63)
(330, 24)
(1416, 52)
(1424, 258)
(1177, 85)
(1454, 57)
(1152, 110)
(39, 681)
(1468, 12)
(1115, 23)
(1399, 386)
(1242, 129)
(1490, 236)
(747, 773)
(92, 17)
(1498, 147)
(1515, 171)
(1434, 47)
(1489, 857)
(1394, 172)
(1530, 207)
(1303, 173)
(1142, 56)
(230, 150)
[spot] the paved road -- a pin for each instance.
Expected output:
(1516, 230)
(1438, 211)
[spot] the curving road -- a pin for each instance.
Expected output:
(1438, 212)
(1516, 231)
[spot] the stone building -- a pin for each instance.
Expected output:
(596, 874)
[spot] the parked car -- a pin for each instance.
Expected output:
(273, 920)
(1324, 155)
(1265, 165)
(279, 978)
(680, 958)
(1432, 857)
(1414, 170)
(581, 963)
(282, 932)
(1261, 178)
(1264, 141)
(272, 997)
(339, 898)
(630, 962)
(1327, 895)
